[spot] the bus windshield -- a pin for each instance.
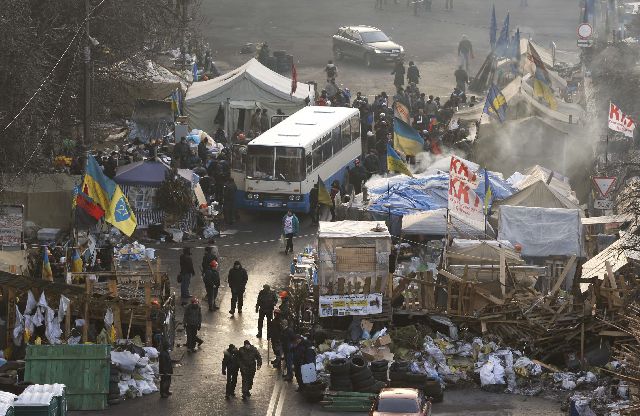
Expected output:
(275, 163)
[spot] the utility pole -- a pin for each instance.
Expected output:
(86, 139)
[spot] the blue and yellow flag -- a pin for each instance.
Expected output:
(109, 196)
(76, 261)
(496, 104)
(323, 195)
(406, 139)
(394, 163)
(47, 274)
(488, 195)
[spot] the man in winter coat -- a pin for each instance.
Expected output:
(237, 280)
(210, 254)
(192, 321)
(249, 359)
(413, 73)
(265, 304)
(290, 227)
(303, 353)
(186, 273)
(274, 333)
(203, 151)
(211, 279)
(166, 370)
(230, 368)
(287, 337)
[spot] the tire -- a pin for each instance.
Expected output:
(338, 366)
(380, 376)
(397, 375)
(361, 376)
(368, 60)
(415, 378)
(379, 364)
(357, 363)
(363, 384)
(399, 366)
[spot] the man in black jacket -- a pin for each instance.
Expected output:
(274, 333)
(265, 304)
(211, 279)
(230, 368)
(237, 280)
(166, 370)
(192, 321)
(249, 359)
(313, 204)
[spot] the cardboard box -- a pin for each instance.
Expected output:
(377, 353)
(366, 325)
(383, 340)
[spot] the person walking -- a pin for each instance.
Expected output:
(398, 72)
(287, 336)
(211, 279)
(250, 360)
(313, 204)
(274, 333)
(290, 227)
(192, 321)
(230, 368)
(237, 280)
(413, 73)
(462, 78)
(333, 193)
(265, 305)
(465, 51)
(166, 370)
(332, 70)
(186, 272)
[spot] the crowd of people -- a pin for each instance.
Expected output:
(291, 350)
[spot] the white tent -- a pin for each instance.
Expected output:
(248, 87)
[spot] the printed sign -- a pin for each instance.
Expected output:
(463, 202)
(11, 222)
(349, 305)
(603, 204)
(604, 184)
(619, 121)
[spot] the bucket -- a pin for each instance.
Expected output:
(150, 253)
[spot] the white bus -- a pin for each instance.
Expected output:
(277, 170)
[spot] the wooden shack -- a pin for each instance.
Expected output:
(353, 257)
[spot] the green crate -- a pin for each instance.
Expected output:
(51, 410)
(83, 369)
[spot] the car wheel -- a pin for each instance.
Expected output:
(337, 53)
(368, 60)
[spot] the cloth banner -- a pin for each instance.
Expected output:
(349, 305)
(463, 202)
(620, 122)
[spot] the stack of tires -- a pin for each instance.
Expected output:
(379, 369)
(114, 390)
(314, 392)
(339, 371)
(401, 376)
(362, 376)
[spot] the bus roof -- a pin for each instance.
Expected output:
(305, 126)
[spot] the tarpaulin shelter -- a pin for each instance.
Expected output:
(539, 194)
(140, 181)
(241, 91)
(151, 119)
(434, 223)
(47, 198)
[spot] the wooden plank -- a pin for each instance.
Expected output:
(488, 296)
(149, 323)
(366, 289)
(341, 286)
(503, 273)
(67, 321)
(563, 276)
(610, 333)
(449, 275)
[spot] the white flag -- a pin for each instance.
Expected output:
(619, 121)
(463, 202)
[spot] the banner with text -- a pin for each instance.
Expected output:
(619, 121)
(464, 203)
(348, 305)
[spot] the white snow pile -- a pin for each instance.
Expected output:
(137, 374)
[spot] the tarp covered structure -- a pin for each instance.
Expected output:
(47, 198)
(542, 232)
(434, 223)
(248, 87)
(539, 194)
(151, 119)
(147, 173)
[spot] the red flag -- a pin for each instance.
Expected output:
(294, 79)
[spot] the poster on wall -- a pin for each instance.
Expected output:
(349, 305)
(11, 222)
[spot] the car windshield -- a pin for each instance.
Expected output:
(397, 405)
(289, 163)
(372, 37)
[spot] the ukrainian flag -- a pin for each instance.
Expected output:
(496, 104)
(76, 261)
(323, 195)
(394, 163)
(109, 196)
(488, 195)
(406, 139)
(47, 274)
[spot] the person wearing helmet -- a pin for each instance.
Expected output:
(265, 304)
(211, 279)
(192, 321)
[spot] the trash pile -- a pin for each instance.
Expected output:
(136, 371)
(135, 252)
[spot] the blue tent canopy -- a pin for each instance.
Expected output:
(147, 173)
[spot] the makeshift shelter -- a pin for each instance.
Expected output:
(433, 224)
(618, 255)
(46, 198)
(237, 94)
(539, 194)
(140, 182)
(151, 119)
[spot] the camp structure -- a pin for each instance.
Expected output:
(232, 98)
(140, 182)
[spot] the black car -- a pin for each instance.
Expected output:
(367, 43)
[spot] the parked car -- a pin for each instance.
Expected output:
(367, 43)
(400, 401)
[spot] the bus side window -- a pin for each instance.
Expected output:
(355, 128)
(317, 154)
(309, 162)
(327, 148)
(346, 134)
(336, 138)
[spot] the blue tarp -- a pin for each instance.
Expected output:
(428, 193)
(146, 173)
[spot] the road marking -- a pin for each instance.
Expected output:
(277, 388)
(281, 401)
(248, 243)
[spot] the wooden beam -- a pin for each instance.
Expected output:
(449, 275)
(149, 326)
(503, 272)
(563, 276)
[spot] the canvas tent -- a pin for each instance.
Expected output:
(46, 198)
(434, 223)
(238, 93)
(538, 194)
